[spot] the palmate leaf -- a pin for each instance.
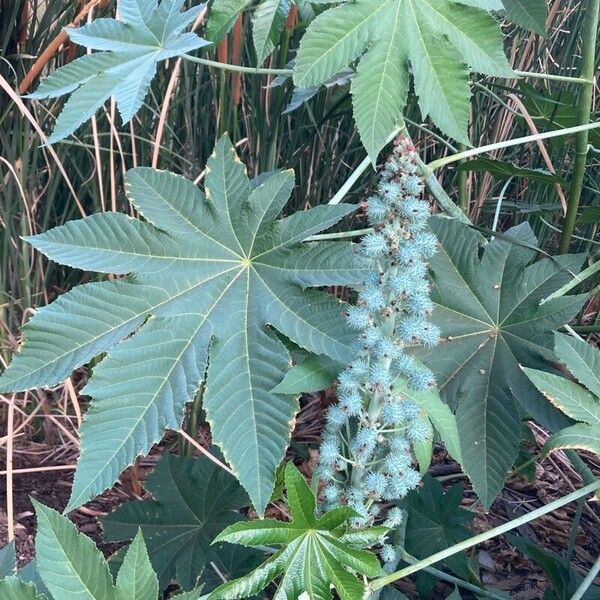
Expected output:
(69, 563)
(437, 521)
(570, 398)
(489, 312)
(193, 501)
(312, 555)
(583, 360)
(442, 40)
(72, 568)
(213, 278)
(130, 49)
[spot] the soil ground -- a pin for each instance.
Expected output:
(501, 565)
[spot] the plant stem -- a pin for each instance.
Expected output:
(355, 175)
(463, 178)
(574, 529)
(339, 235)
(438, 192)
(581, 80)
(584, 108)
(237, 68)
(482, 537)
(436, 164)
(587, 582)
(481, 593)
(433, 185)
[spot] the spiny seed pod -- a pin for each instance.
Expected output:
(366, 455)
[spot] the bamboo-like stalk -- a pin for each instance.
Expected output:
(584, 107)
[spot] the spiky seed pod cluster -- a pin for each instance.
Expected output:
(366, 454)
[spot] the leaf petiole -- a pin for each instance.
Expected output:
(237, 68)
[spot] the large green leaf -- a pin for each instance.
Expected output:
(222, 16)
(491, 321)
(194, 500)
(437, 521)
(70, 564)
(12, 588)
(130, 48)
(211, 280)
(267, 24)
(72, 568)
(582, 359)
(570, 398)
(312, 556)
(580, 437)
(441, 40)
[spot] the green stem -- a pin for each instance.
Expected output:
(438, 192)
(587, 582)
(482, 537)
(463, 178)
(582, 469)
(479, 592)
(349, 183)
(237, 68)
(223, 104)
(574, 529)
(436, 164)
(339, 235)
(563, 78)
(356, 174)
(584, 108)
